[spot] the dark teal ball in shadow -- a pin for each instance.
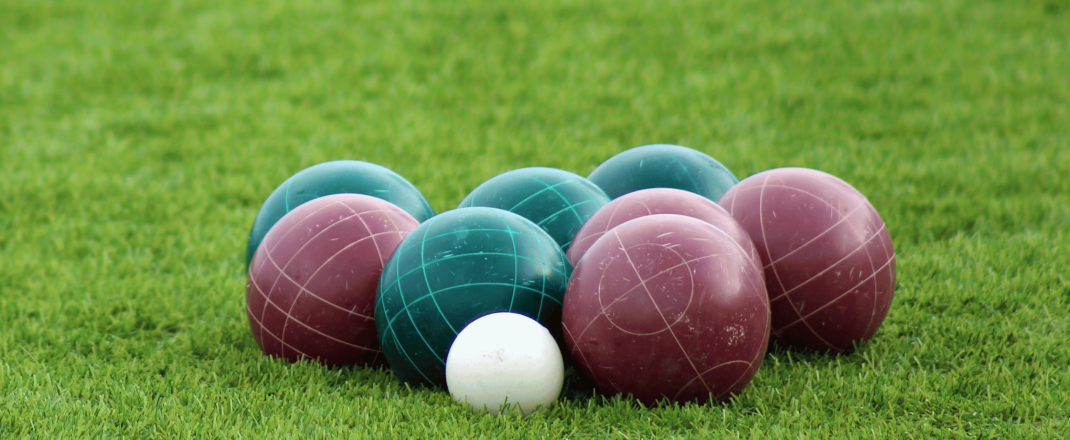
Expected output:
(663, 166)
(336, 177)
(454, 268)
(557, 201)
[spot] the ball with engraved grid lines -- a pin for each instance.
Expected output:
(312, 282)
(335, 177)
(456, 267)
(662, 166)
(827, 255)
(669, 307)
(656, 201)
(556, 200)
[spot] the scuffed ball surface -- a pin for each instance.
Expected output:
(827, 255)
(657, 201)
(557, 201)
(663, 166)
(667, 307)
(311, 288)
(336, 177)
(456, 267)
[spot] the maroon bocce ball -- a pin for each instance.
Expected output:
(667, 307)
(312, 281)
(656, 201)
(828, 258)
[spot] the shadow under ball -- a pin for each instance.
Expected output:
(312, 282)
(827, 255)
(667, 307)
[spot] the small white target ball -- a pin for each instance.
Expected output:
(505, 362)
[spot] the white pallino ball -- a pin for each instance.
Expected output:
(505, 358)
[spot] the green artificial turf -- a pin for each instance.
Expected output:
(138, 140)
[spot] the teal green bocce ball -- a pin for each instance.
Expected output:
(556, 200)
(336, 177)
(663, 166)
(454, 268)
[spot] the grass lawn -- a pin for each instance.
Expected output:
(138, 140)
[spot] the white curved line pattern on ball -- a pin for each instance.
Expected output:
(832, 266)
(296, 223)
(553, 188)
(575, 347)
(642, 283)
(842, 219)
(516, 261)
(865, 203)
(289, 318)
(755, 362)
(684, 387)
(765, 242)
(624, 295)
(612, 215)
(379, 252)
(604, 308)
(283, 274)
(304, 287)
(427, 282)
(818, 236)
(833, 301)
(273, 336)
(398, 276)
(302, 291)
(401, 293)
(546, 188)
(662, 315)
(267, 251)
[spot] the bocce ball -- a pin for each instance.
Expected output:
(505, 363)
(454, 268)
(657, 201)
(667, 307)
(556, 200)
(828, 258)
(663, 166)
(336, 177)
(312, 282)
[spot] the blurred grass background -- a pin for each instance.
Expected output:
(138, 140)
